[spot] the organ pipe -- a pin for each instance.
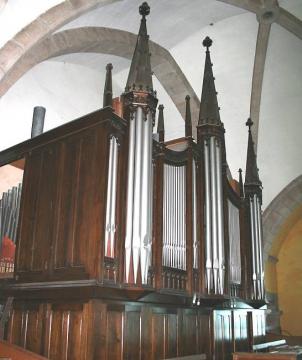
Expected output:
(208, 224)
(260, 249)
(9, 213)
(220, 224)
(111, 199)
(174, 221)
(234, 238)
(194, 214)
(139, 195)
(136, 239)
(214, 223)
(130, 192)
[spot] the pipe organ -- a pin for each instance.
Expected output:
(132, 247)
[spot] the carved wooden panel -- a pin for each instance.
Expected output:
(223, 336)
(241, 330)
(63, 208)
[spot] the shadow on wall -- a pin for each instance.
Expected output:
(282, 226)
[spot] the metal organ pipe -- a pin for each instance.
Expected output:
(260, 248)
(220, 226)
(208, 217)
(139, 194)
(195, 240)
(253, 248)
(136, 239)
(174, 244)
(214, 212)
(146, 211)
(256, 226)
(130, 192)
(111, 199)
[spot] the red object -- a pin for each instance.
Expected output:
(7, 249)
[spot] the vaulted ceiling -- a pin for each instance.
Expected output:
(54, 53)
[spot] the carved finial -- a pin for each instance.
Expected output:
(241, 191)
(107, 97)
(109, 66)
(207, 42)
(144, 9)
(161, 124)
(188, 121)
(249, 123)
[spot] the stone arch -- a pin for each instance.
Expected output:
(107, 41)
(282, 214)
(284, 209)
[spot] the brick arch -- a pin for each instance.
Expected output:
(107, 41)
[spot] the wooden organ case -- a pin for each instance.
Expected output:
(130, 247)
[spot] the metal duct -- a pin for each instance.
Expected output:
(38, 121)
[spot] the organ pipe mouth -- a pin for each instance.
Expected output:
(38, 121)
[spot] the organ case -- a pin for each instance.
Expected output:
(130, 247)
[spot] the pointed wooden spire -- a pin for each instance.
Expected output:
(140, 74)
(241, 190)
(251, 171)
(107, 98)
(209, 110)
(188, 119)
(161, 124)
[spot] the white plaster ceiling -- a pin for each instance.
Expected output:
(71, 85)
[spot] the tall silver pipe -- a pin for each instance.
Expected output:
(195, 240)
(184, 218)
(109, 196)
(208, 217)
(256, 226)
(164, 235)
(130, 193)
(214, 212)
(173, 220)
(253, 248)
(220, 222)
(169, 213)
(260, 244)
(177, 211)
(113, 199)
(150, 190)
(136, 239)
(38, 121)
(181, 241)
(146, 199)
